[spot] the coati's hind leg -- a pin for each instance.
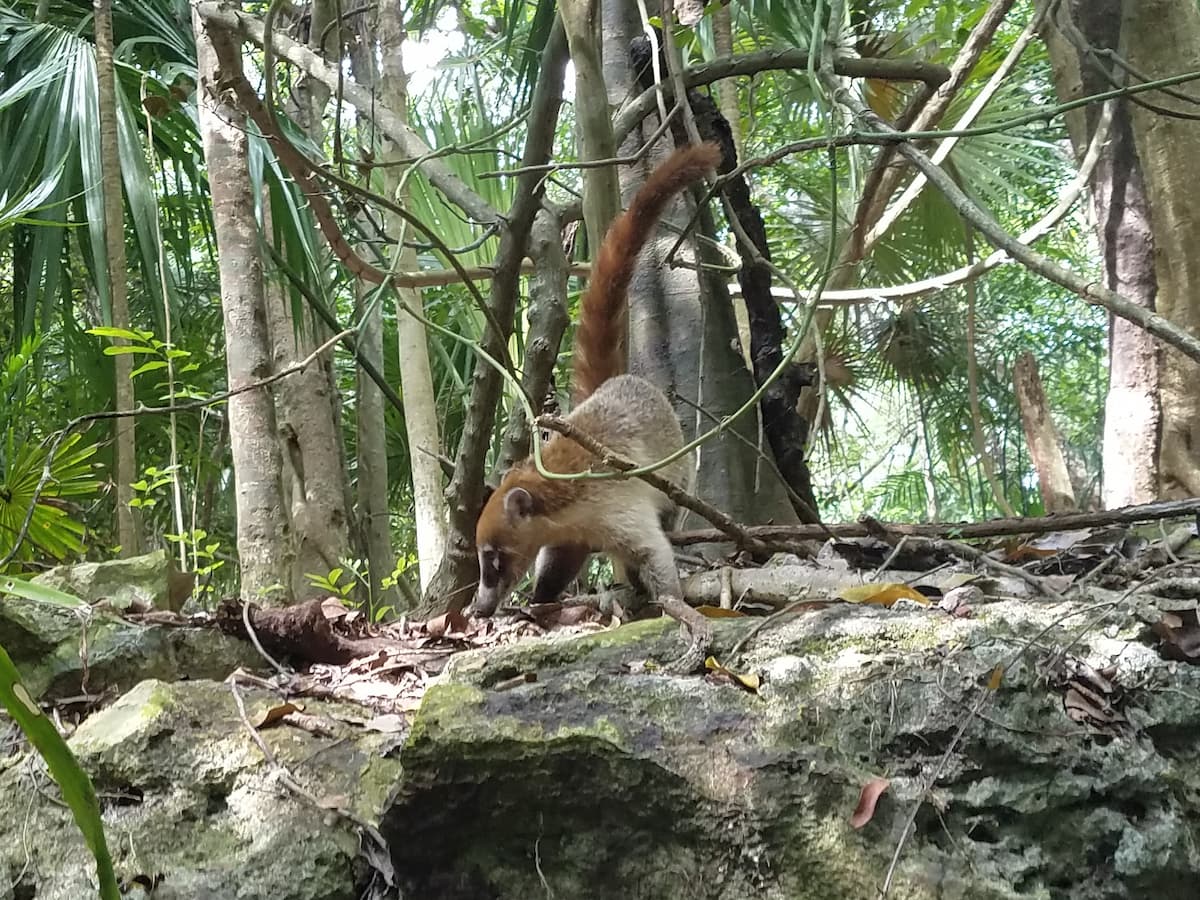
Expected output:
(554, 570)
(650, 554)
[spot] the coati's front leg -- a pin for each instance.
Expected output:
(651, 555)
(555, 568)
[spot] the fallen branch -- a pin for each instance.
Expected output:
(1147, 512)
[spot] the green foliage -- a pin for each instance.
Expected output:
(351, 580)
(74, 783)
(53, 531)
(203, 558)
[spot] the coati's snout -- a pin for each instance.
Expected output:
(497, 579)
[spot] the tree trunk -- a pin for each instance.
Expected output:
(373, 483)
(128, 524)
(314, 478)
(1162, 37)
(1042, 437)
(1133, 414)
(727, 102)
(594, 137)
(682, 332)
(262, 528)
(416, 379)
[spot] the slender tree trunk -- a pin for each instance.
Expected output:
(1133, 413)
(128, 524)
(727, 102)
(601, 188)
(1162, 38)
(314, 477)
(416, 379)
(1042, 437)
(373, 484)
(264, 549)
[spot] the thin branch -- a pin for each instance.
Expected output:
(1089, 290)
(767, 60)
(725, 524)
(884, 177)
(893, 213)
(409, 142)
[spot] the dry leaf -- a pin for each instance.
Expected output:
(273, 714)
(867, 798)
(958, 600)
(749, 681)
(1179, 633)
(447, 624)
(332, 608)
(716, 612)
(995, 678)
(882, 594)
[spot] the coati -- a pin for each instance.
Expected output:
(561, 522)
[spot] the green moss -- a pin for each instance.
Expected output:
(130, 714)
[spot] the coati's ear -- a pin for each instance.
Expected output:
(518, 504)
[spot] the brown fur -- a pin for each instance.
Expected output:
(599, 339)
(529, 514)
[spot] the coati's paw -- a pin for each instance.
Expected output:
(698, 630)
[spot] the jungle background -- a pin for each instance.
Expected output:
(184, 215)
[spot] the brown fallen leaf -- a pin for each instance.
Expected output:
(716, 612)
(452, 623)
(332, 608)
(273, 714)
(867, 798)
(1179, 634)
(958, 600)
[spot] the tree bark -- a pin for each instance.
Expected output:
(456, 577)
(1162, 38)
(264, 549)
(373, 484)
(416, 379)
(682, 333)
(128, 521)
(1133, 414)
(1042, 437)
(307, 404)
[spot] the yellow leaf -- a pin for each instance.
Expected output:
(749, 681)
(996, 677)
(882, 594)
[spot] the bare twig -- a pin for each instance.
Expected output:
(766, 60)
(288, 780)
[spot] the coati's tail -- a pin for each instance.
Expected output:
(599, 350)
